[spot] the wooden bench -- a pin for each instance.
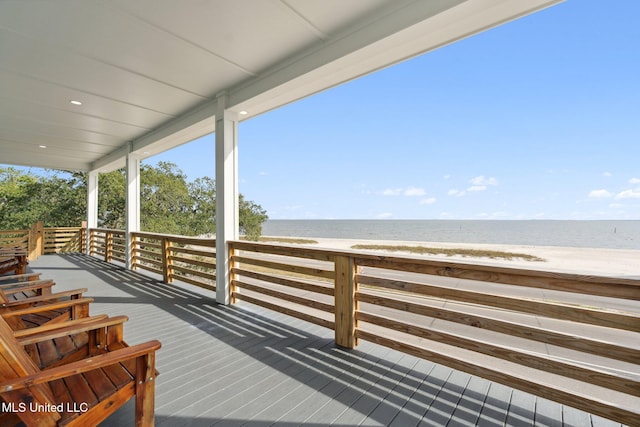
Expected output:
(86, 385)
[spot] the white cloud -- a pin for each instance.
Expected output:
(479, 181)
(607, 174)
(429, 201)
(477, 188)
(447, 176)
(392, 192)
(384, 215)
(634, 181)
(628, 194)
(263, 173)
(413, 191)
(409, 192)
(599, 194)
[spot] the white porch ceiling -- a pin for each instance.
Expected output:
(148, 71)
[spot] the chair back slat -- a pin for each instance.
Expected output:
(30, 404)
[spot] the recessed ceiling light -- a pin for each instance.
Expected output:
(74, 102)
(42, 146)
(243, 113)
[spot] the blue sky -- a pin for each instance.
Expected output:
(535, 119)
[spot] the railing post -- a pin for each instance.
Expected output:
(345, 301)
(133, 242)
(92, 241)
(83, 238)
(32, 242)
(167, 263)
(108, 246)
(232, 275)
(36, 236)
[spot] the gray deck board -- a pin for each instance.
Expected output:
(495, 407)
(469, 407)
(247, 366)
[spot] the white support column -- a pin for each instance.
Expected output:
(132, 204)
(92, 206)
(226, 194)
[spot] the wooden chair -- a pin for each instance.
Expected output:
(9, 279)
(83, 391)
(26, 311)
(14, 291)
(24, 283)
(13, 259)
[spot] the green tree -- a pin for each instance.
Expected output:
(203, 193)
(56, 199)
(165, 203)
(64, 199)
(251, 218)
(169, 204)
(203, 197)
(111, 199)
(17, 191)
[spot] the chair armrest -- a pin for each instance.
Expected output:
(64, 329)
(47, 307)
(81, 366)
(52, 327)
(29, 276)
(12, 288)
(48, 297)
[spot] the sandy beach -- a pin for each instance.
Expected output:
(588, 261)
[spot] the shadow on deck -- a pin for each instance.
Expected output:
(245, 365)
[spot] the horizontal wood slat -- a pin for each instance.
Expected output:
(588, 285)
(198, 283)
(557, 310)
(547, 336)
(284, 281)
(593, 375)
(569, 396)
(189, 261)
(285, 296)
(193, 272)
(284, 310)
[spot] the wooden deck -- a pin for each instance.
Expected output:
(245, 365)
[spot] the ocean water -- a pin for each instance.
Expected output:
(614, 234)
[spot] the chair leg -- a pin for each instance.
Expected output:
(145, 390)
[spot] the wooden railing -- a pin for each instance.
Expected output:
(14, 238)
(64, 239)
(14, 252)
(188, 259)
(108, 244)
(40, 240)
(570, 338)
(296, 281)
(573, 339)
